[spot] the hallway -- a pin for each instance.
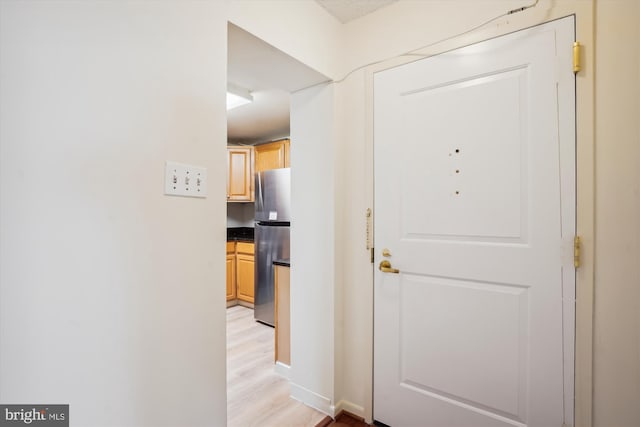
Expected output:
(256, 395)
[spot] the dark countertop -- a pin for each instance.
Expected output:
(282, 262)
(239, 239)
(240, 234)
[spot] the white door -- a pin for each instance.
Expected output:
(475, 202)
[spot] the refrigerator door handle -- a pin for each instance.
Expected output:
(259, 194)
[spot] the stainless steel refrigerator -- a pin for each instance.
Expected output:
(272, 221)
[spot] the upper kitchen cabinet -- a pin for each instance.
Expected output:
(240, 162)
(273, 155)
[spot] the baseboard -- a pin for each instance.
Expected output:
(312, 399)
(283, 370)
(234, 302)
(350, 408)
(322, 403)
(245, 304)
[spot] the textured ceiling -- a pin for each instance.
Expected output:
(348, 10)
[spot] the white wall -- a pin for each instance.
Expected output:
(410, 24)
(354, 296)
(108, 294)
(300, 28)
(617, 290)
(313, 242)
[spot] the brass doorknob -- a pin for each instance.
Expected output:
(385, 267)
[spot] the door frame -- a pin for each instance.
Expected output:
(585, 192)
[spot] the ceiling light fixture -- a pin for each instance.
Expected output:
(237, 96)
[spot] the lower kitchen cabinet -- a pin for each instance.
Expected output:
(240, 272)
(231, 271)
(231, 277)
(245, 272)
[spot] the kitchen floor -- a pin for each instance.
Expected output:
(256, 395)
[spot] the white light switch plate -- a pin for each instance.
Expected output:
(185, 180)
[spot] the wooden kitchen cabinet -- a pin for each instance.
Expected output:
(240, 272)
(273, 155)
(244, 269)
(245, 272)
(240, 162)
(282, 315)
(231, 277)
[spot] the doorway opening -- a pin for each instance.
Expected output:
(258, 148)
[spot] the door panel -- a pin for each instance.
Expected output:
(231, 277)
(245, 269)
(448, 342)
(474, 199)
(465, 175)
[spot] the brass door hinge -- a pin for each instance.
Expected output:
(576, 251)
(577, 63)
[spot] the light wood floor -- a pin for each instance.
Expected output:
(256, 395)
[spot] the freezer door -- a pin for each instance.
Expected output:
(273, 195)
(272, 243)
